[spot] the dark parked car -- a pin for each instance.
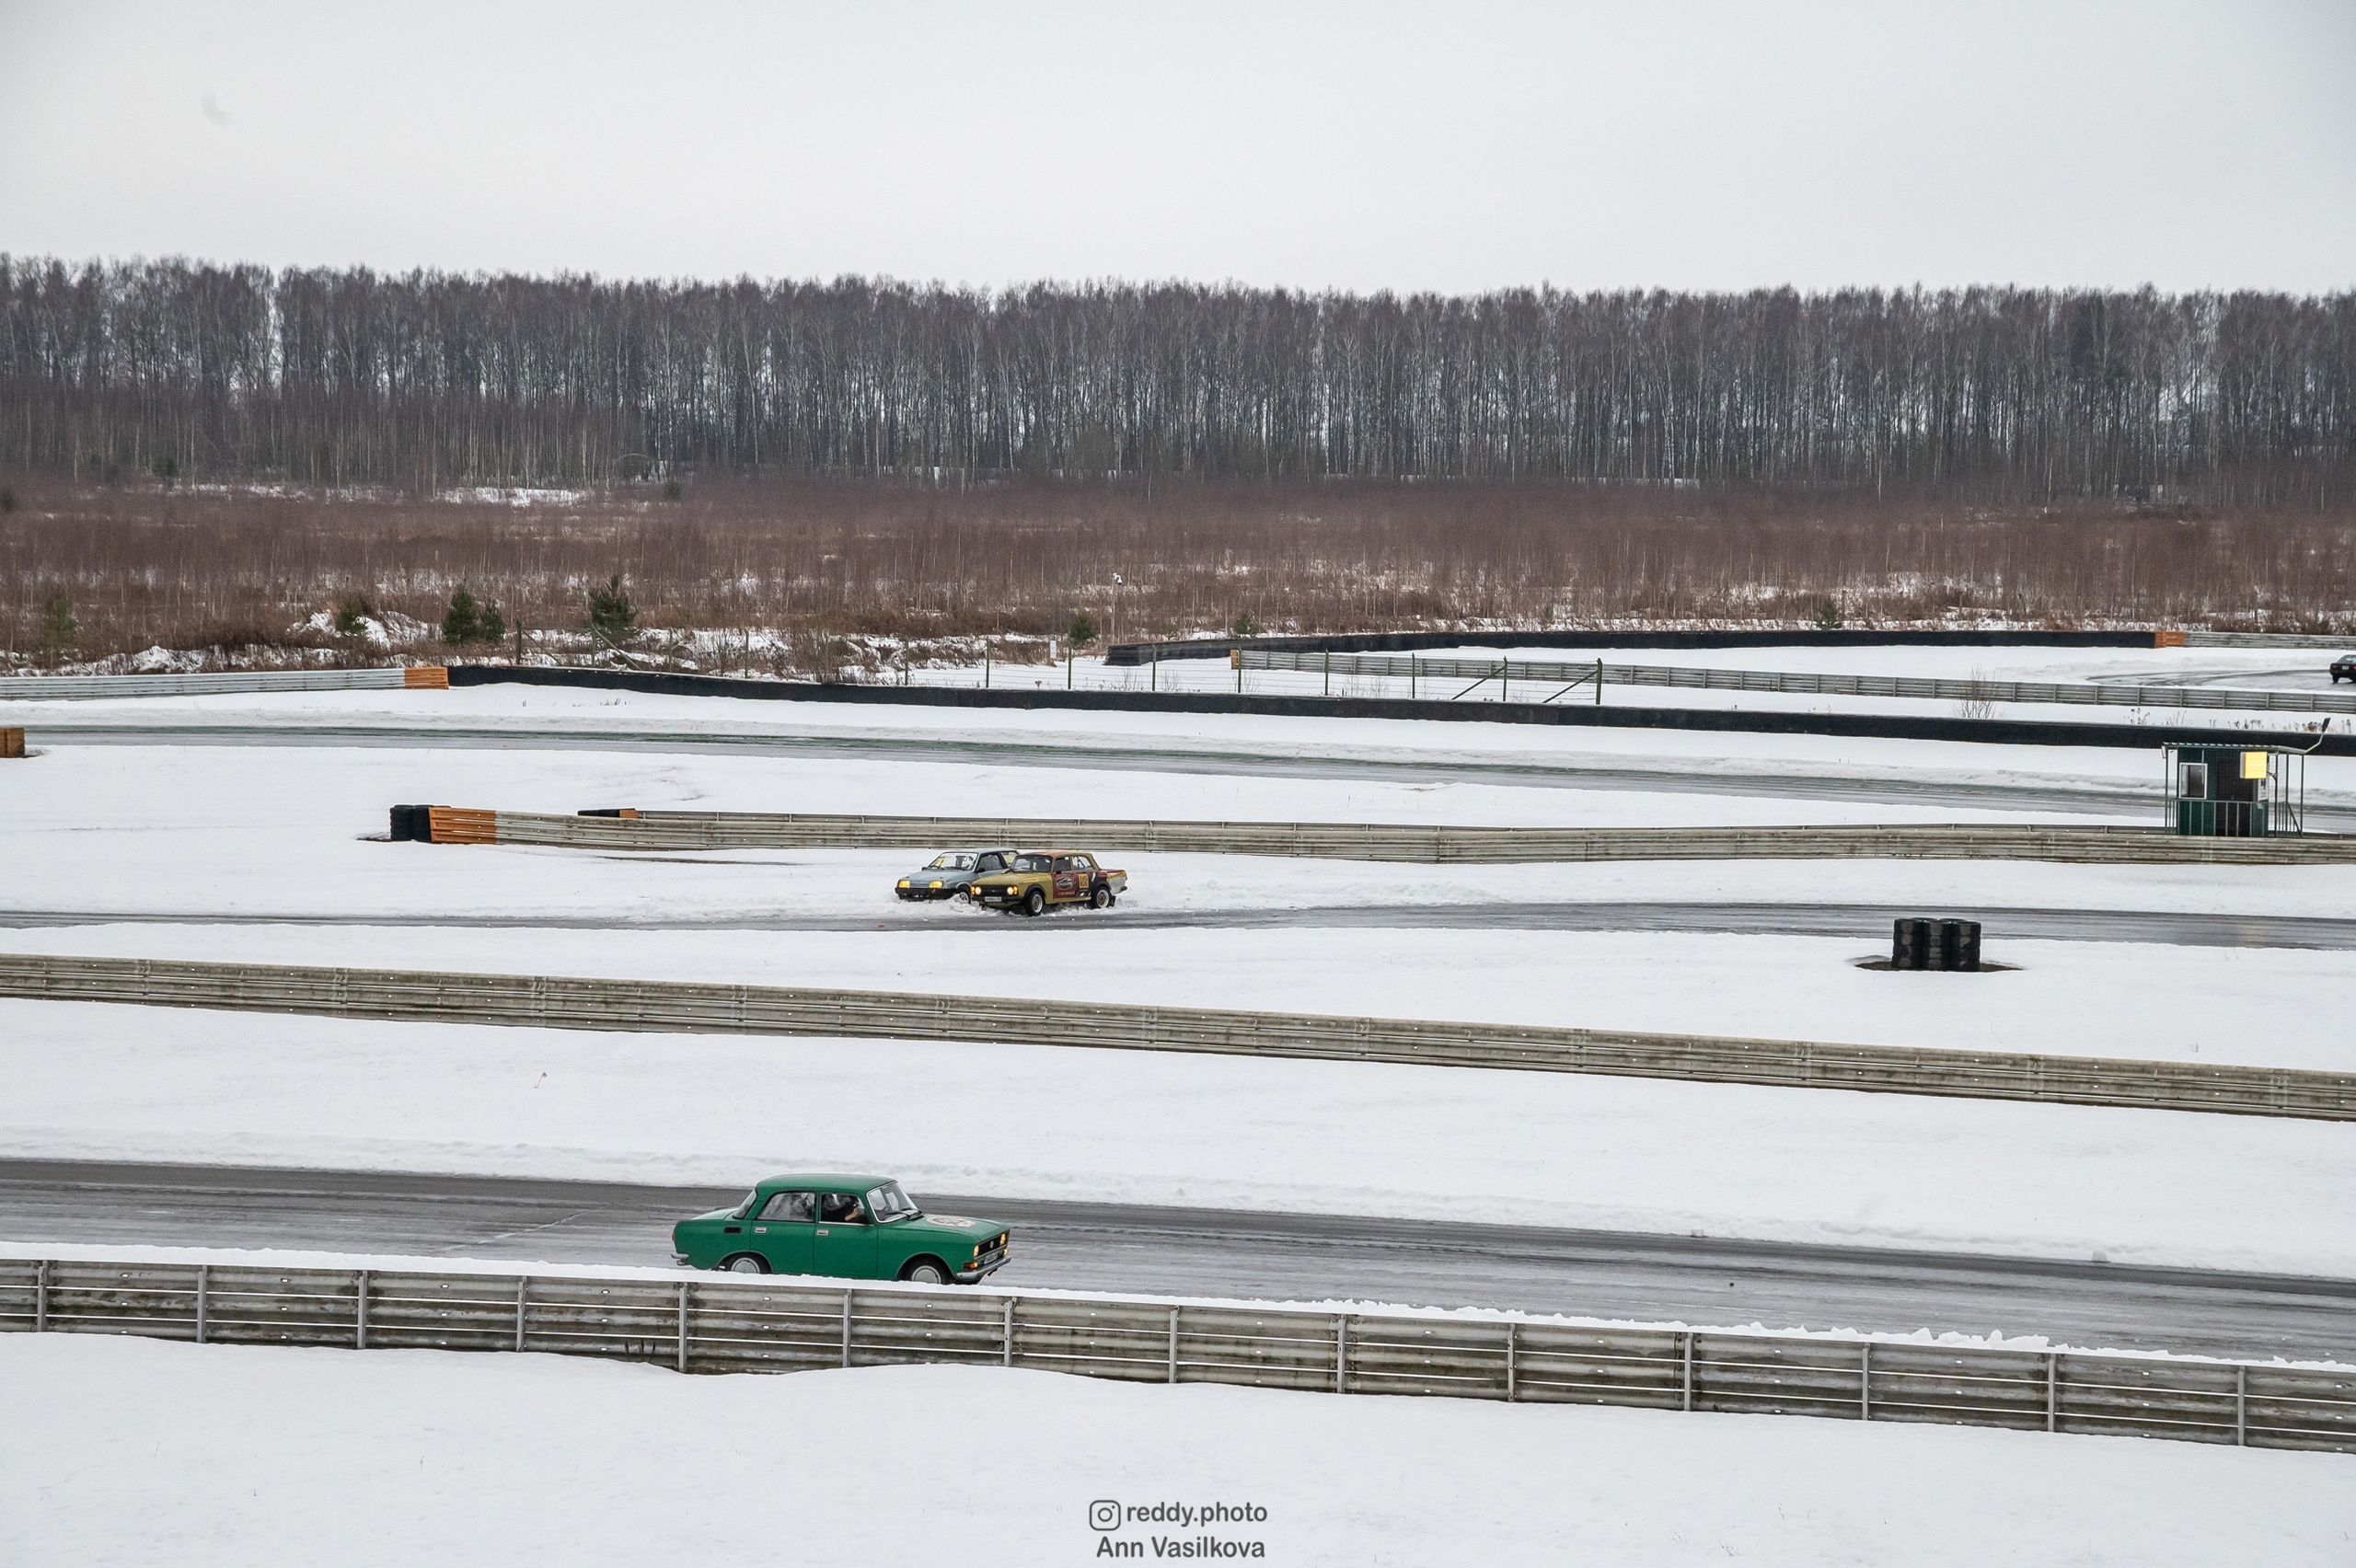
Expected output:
(953, 874)
(2343, 668)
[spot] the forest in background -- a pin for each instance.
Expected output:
(430, 380)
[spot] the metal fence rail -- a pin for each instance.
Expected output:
(87, 687)
(1383, 841)
(708, 1324)
(1503, 674)
(678, 1007)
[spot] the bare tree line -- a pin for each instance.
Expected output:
(429, 380)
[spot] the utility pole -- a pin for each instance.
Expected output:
(1115, 635)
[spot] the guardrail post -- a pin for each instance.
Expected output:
(522, 1286)
(1866, 1383)
(845, 1328)
(1329, 672)
(1006, 1336)
(40, 1297)
(2052, 1391)
(1411, 677)
(360, 1311)
(683, 1328)
(1685, 1384)
(1599, 682)
(201, 1282)
(1513, 1334)
(1173, 1344)
(1341, 1353)
(2241, 1407)
(1505, 677)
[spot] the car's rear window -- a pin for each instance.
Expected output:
(1030, 862)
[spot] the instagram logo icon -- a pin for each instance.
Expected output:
(1104, 1515)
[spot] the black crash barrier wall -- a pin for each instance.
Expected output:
(1420, 641)
(1880, 726)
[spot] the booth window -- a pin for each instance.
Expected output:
(2196, 781)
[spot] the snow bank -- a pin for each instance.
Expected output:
(82, 1081)
(237, 1455)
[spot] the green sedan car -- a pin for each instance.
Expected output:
(844, 1227)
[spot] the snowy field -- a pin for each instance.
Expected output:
(565, 715)
(234, 1455)
(81, 1080)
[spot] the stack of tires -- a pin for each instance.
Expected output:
(1934, 944)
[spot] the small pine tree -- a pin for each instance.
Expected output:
(1246, 626)
(351, 612)
(490, 626)
(462, 623)
(611, 616)
(1829, 617)
(671, 490)
(57, 628)
(1082, 632)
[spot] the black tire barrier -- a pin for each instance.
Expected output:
(413, 825)
(1950, 945)
(1417, 642)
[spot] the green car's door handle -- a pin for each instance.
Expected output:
(822, 1230)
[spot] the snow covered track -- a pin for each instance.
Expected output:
(546, 1001)
(718, 1324)
(1388, 841)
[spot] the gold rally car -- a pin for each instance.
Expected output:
(1039, 879)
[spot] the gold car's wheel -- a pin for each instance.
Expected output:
(1034, 902)
(747, 1262)
(1102, 898)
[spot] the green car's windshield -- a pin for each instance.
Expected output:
(1030, 862)
(887, 1203)
(951, 863)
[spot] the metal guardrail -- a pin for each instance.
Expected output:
(706, 1323)
(1416, 669)
(89, 688)
(2265, 639)
(1385, 841)
(680, 1006)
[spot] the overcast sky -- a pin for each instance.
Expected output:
(1359, 145)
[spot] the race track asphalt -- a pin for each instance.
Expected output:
(1700, 1281)
(1863, 921)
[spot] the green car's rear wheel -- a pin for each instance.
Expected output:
(747, 1262)
(1034, 902)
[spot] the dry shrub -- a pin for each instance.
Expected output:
(822, 560)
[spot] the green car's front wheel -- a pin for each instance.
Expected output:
(926, 1271)
(747, 1262)
(1034, 902)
